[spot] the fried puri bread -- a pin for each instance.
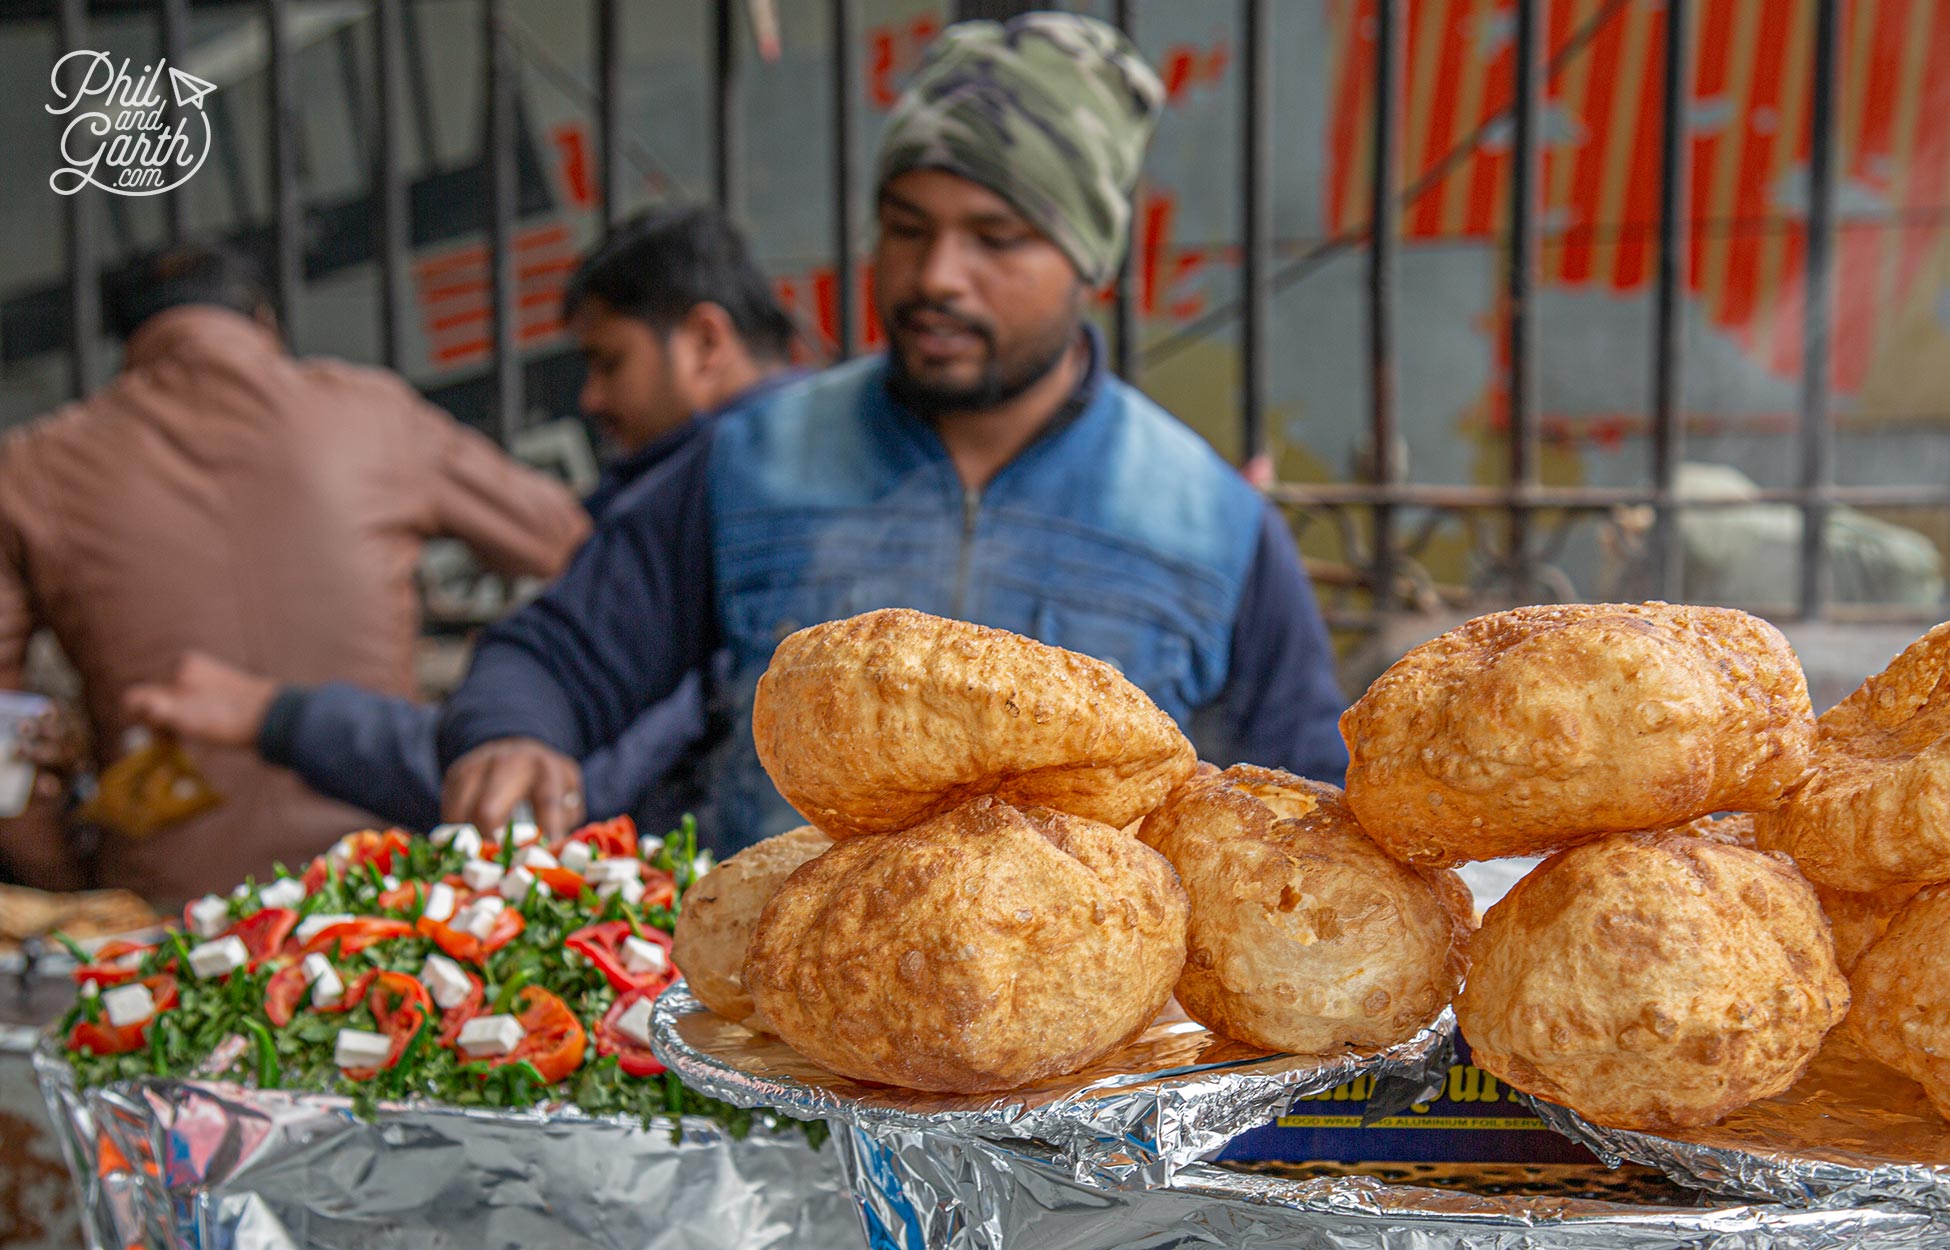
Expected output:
(1531, 730)
(1858, 921)
(1876, 812)
(981, 950)
(720, 911)
(1653, 981)
(879, 722)
(1901, 1015)
(1305, 936)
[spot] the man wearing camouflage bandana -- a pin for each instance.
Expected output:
(985, 467)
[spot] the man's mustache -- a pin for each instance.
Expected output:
(904, 316)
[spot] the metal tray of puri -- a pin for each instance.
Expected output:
(1849, 1132)
(1133, 1118)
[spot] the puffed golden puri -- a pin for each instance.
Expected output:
(720, 910)
(881, 721)
(1305, 935)
(1528, 731)
(1876, 813)
(1653, 981)
(982, 950)
(1901, 1015)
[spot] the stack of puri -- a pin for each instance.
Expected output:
(1661, 968)
(1013, 859)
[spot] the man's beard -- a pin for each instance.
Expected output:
(1002, 378)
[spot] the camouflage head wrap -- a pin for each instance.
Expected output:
(1051, 112)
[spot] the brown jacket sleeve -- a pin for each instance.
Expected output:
(519, 520)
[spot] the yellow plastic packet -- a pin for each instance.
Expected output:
(149, 789)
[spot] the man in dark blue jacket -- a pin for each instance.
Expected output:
(676, 324)
(985, 468)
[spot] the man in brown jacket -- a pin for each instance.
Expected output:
(221, 496)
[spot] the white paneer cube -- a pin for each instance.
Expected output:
(631, 888)
(445, 834)
(359, 1049)
(617, 869)
(515, 886)
(440, 902)
(128, 1004)
(524, 832)
(341, 853)
(576, 857)
(649, 844)
(311, 926)
(284, 892)
(644, 958)
(703, 863)
(634, 1023)
(219, 958)
(389, 881)
(481, 874)
(444, 980)
(326, 988)
(209, 916)
(487, 1037)
(532, 857)
(479, 917)
(240, 891)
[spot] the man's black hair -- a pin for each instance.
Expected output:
(660, 264)
(180, 274)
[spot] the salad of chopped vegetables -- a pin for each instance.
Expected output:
(479, 972)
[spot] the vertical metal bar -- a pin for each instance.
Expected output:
(84, 278)
(499, 159)
(1256, 158)
(421, 82)
(1668, 418)
(1522, 380)
(1817, 438)
(609, 108)
(845, 87)
(1384, 224)
(389, 182)
(1124, 318)
(175, 21)
(724, 105)
(288, 226)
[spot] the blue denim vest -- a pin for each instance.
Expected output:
(1120, 534)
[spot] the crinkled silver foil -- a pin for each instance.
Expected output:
(1850, 1131)
(1130, 1120)
(928, 1191)
(214, 1164)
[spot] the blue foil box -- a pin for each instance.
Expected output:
(1473, 1120)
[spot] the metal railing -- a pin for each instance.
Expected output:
(1384, 497)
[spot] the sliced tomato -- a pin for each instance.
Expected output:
(353, 936)
(104, 1038)
(263, 934)
(282, 994)
(602, 945)
(107, 968)
(400, 1007)
(401, 897)
(368, 846)
(554, 1040)
(462, 945)
(456, 1017)
(631, 1055)
(562, 882)
(659, 887)
(614, 838)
